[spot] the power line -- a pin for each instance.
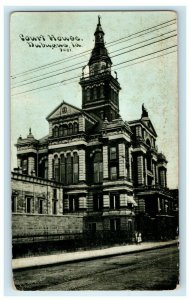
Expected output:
(87, 76)
(57, 74)
(74, 56)
(85, 61)
(126, 66)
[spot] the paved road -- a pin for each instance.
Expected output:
(150, 270)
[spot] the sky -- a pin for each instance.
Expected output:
(153, 82)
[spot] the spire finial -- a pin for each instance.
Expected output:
(144, 111)
(99, 17)
(30, 130)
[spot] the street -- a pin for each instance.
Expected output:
(149, 270)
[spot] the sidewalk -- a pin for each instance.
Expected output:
(39, 261)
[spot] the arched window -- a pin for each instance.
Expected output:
(61, 130)
(95, 92)
(75, 127)
(62, 169)
(97, 167)
(46, 169)
(56, 168)
(92, 93)
(69, 169)
(70, 131)
(24, 166)
(75, 168)
(65, 130)
(149, 162)
(88, 94)
(56, 131)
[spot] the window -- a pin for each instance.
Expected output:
(115, 224)
(98, 168)
(88, 94)
(62, 169)
(65, 130)
(70, 132)
(97, 202)
(56, 168)
(41, 208)
(149, 162)
(95, 93)
(73, 203)
(69, 170)
(114, 201)
(28, 205)
(61, 130)
(56, 131)
(113, 173)
(75, 168)
(46, 168)
(14, 203)
(127, 162)
(113, 153)
(54, 207)
(25, 166)
(55, 194)
(92, 227)
(102, 91)
(102, 115)
(75, 128)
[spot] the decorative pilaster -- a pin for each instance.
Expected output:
(31, 165)
(130, 164)
(140, 169)
(145, 171)
(105, 162)
(106, 201)
(82, 165)
(162, 178)
(122, 161)
(18, 162)
(50, 129)
(50, 166)
(82, 202)
(154, 174)
(158, 201)
(123, 199)
(81, 123)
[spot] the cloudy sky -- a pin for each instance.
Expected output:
(143, 49)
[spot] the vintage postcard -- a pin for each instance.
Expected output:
(94, 150)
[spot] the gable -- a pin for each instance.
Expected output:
(149, 125)
(64, 109)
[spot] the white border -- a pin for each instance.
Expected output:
(4, 218)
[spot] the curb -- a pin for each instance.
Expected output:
(87, 258)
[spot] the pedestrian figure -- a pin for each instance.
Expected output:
(139, 238)
(136, 237)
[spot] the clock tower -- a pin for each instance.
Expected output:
(100, 90)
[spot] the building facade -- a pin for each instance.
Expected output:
(93, 165)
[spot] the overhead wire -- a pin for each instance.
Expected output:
(80, 63)
(82, 53)
(57, 74)
(88, 76)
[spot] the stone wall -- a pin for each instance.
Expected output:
(25, 225)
